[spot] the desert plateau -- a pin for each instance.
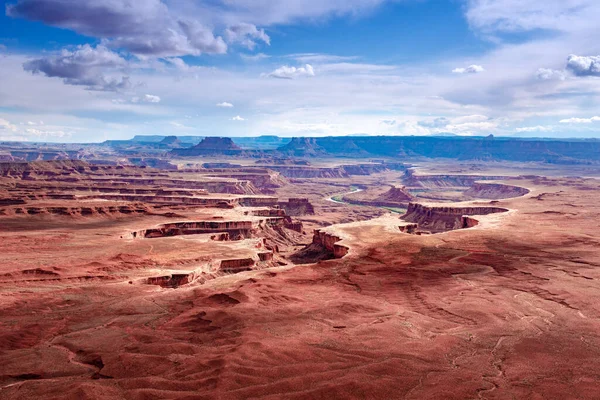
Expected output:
(273, 276)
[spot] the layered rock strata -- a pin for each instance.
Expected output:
(441, 219)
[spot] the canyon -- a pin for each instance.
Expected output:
(300, 268)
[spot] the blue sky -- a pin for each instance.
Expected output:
(81, 71)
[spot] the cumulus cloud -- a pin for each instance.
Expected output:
(580, 120)
(287, 72)
(584, 65)
(82, 67)
(247, 35)
(545, 74)
(471, 69)
(143, 27)
(224, 104)
(238, 118)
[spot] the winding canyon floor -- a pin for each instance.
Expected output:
(508, 309)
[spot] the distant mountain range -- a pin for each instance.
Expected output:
(489, 148)
(265, 142)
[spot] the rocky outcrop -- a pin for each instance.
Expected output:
(495, 191)
(265, 180)
(364, 169)
(302, 147)
(152, 162)
(409, 228)
(211, 146)
(78, 211)
(297, 206)
(293, 225)
(234, 266)
(170, 142)
(171, 281)
(212, 186)
(445, 181)
(290, 171)
(292, 207)
(220, 165)
(169, 200)
(265, 256)
(329, 242)
(267, 212)
(441, 219)
(236, 230)
(19, 169)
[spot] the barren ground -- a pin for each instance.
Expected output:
(508, 308)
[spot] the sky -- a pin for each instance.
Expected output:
(92, 70)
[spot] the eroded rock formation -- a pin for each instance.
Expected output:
(330, 243)
(236, 230)
(234, 266)
(495, 191)
(441, 219)
(210, 146)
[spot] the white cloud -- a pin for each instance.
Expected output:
(580, 120)
(84, 66)
(584, 66)
(177, 63)
(238, 118)
(545, 74)
(247, 35)
(42, 133)
(439, 122)
(224, 104)
(521, 16)
(471, 69)
(142, 27)
(7, 126)
(287, 72)
(150, 98)
(461, 125)
(538, 128)
(147, 98)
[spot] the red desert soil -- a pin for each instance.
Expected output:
(506, 309)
